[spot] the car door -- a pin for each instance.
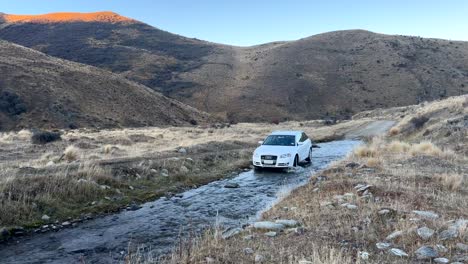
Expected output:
(303, 146)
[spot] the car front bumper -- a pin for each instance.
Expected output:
(278, 163)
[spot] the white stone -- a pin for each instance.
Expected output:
(248, 251)
(382, 245)
(394, 235)
(267, 225)
(398, 252)
(426, 252)
(441, 260)
(45, 217)
(425, 233)
(270, 234)
(426, 214)
(287, 222)
(259, 258)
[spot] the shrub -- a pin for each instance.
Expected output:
(193, 122)
(450, 181)
(394, 131)
(365, 151)
(44, 137)
(71, 153)
(398, 147)
(11, 103)
(275, 121)
(419, 121)
(425, 148)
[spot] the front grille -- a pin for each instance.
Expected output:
(268, 157)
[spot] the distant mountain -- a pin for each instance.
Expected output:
(333, 74)
(39, 91)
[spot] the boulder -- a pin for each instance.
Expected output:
(45, 218)
(398, 252)
(287, 222)
(425, 233)
(231, 185)
(462, 247)
(267, 225)
(448, 234)
(426, 252)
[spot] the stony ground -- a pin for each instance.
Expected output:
(396, 199)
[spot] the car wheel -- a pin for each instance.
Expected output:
(309, 158)
(257, 168)
(296, 161)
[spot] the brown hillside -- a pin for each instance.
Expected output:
(39, 91)
(333, 74)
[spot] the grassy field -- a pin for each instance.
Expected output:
(399, 198)
(90, 172)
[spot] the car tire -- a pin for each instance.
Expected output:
(296, 161)
(257, 168)
(309, 157)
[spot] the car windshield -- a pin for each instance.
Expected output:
(280, 140)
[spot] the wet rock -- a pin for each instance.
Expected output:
(248, 251)
(394, 235)
(425, 233)
(231, 232)
(352, 165)
(66, 223)
(287, 222)
(231, 185)
(259, 258)
(104, 187)
(134, 207)
(448, 234)
(271, 234)
(45, 218)
(382, 245)
(267, 225)
(441, 260)
(426, 252)
(4, 233)
(426, 214)
(398, 252)
(462, 247)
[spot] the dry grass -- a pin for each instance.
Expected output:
(71, 153)
(450, 181)
(394, 131)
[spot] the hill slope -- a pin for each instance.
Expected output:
(39, 91)
(331, 74)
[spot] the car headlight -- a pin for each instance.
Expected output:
(288, 155)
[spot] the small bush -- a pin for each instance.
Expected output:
(452, 181)
(425, 148)
(364, 151)
(418, 122)
(71, 153)
(394, 131)
(275, 121)
(398, 147)
(44, 137)
(193, 122)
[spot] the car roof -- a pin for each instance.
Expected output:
(286, 132)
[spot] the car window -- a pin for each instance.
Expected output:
(280, 140)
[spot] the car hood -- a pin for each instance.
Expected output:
(275, 150)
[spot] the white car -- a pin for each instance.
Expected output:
(283, 149)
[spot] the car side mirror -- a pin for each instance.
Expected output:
(260, 142)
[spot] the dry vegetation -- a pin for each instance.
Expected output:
(376, 195)
(88, 172)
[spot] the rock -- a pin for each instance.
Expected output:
(134, 207)
(210, 260)
(398, 252)
(296, 230)
(382, 245)
(383, 212)
(363, 188)
(183, 169)
(45, 218)
(267, 225)
(287, 223)
(351, 206)
(363, 255)
(462, 247)
(426, 252)
(448, 234)
(326, 204)
(131, 187)
(231, 232)
(4, 233)
(249, 237)
(248, 251)
(66, 223)
(104, 187)
(322, 178)
(441, 260)
(348, 195)
(270, 234)
(441, 248)
(50, 163)
(426, 214)
(164, 173)
(352, 165)
(231, 185)
(425, 232)
(18, 231)
(259, 258)
(394, 235)
(305, 262)
(182, 151)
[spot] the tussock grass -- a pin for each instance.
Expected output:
(71, 153)
(450, 181)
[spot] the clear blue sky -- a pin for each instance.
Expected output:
(244, 22)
